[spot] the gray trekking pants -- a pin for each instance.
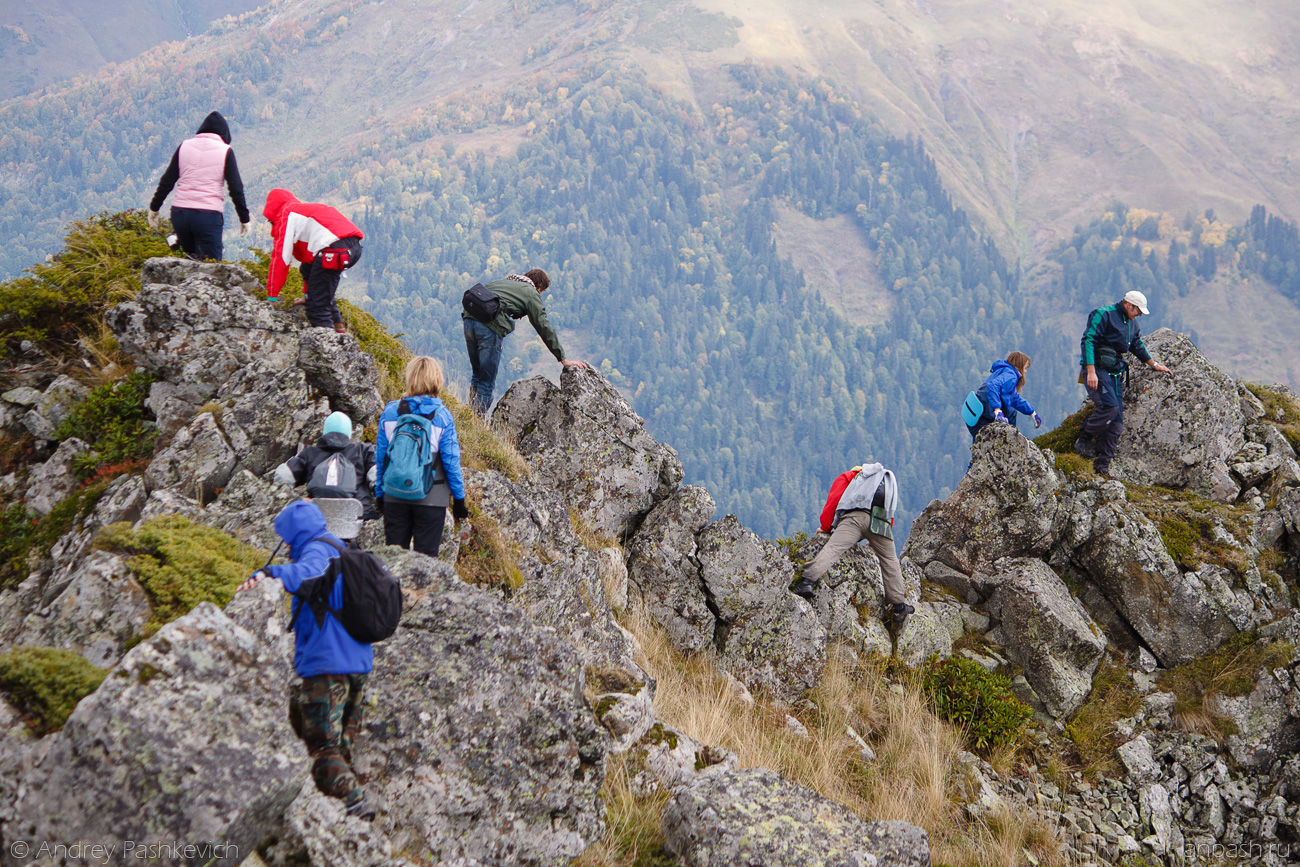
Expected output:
(852, 529)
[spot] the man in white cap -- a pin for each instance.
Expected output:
(1112, 330)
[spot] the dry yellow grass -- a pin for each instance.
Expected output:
(915, 778)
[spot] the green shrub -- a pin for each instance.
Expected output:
(965, 693)
(34, 533)
(46, 683)
(17, 529)
(1230, 670)
(1062, 439)
(180, 564)
(1282, 411)
(56, 302)
(114, 421)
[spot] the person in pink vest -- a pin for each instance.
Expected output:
(197, 170)
(323, 240)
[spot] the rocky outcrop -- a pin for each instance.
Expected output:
(754, 816)
(50, 409)
(1046, 632)
(198, 461)
(187, 740)
(335, 365)
(585, 439)
(55, 479)
(664, 572)
(1180, 428)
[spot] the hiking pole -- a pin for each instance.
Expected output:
(249, 584)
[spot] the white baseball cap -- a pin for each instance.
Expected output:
(1138, 300)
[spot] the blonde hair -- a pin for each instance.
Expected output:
(1020, 362)
(423, 376)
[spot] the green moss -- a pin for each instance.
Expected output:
(1092, 729)
(660, 735)
(39, 534)
(1281, 410)
(963, 692)
(180, 564)
(56, 302)
(604, 705)
(1230, 670)
(1072, 465)
(611, 680)
(1062, 439)
(1189, 523)
(114, 421)
(46, 683)
(147, 673)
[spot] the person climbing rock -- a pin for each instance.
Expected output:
(1000, 395)
(315, 468)
(519, 295)
(861, 505)
(198, 167)
(418, 454)
(1111, 331)
(332, 664)
(323, 240)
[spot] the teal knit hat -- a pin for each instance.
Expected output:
(338, 422)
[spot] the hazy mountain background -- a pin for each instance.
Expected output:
(794, 234)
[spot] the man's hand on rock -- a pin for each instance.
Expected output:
(1157, 366)
(569, 362)
(252, 582)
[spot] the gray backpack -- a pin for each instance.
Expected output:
(334, 478)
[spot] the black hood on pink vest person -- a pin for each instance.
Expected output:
(214, 122)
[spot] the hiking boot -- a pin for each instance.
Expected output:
(1102, 470)
(898, 612)
(805, 588)
(362, 809)
(1083, 447)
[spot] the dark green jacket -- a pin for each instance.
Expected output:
(517, 301)
(1110, 326)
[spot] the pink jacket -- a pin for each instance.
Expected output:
(203, 172)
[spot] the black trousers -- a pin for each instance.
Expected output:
(320, 285)
(199, 232)
(404, 521)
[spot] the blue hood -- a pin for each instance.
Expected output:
(1004, 365)
(299, 523)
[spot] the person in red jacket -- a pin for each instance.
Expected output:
(323, 240)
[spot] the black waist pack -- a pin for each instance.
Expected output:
(1106, 358)
(481, 303)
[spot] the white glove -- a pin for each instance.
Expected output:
(243, 229)
(153, 220)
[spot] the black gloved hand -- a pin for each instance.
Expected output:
(458, 510)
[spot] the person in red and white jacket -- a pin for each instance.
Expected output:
(198, 168)
(323, 240)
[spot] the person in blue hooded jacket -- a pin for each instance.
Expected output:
(1000, 394)
(421, 521)
(332, 664)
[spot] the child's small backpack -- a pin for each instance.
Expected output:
(335, 477)
(372, 597)
(412, 465)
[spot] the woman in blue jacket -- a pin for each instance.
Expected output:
(421, 520)
(1000, 394)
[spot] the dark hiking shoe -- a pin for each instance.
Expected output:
(805, 588)
(1102, 470)
(362, 809)
(898, 612)
(1083, 447)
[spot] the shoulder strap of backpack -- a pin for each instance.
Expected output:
(403, 408)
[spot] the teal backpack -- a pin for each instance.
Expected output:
(973, 409)
(411, 465)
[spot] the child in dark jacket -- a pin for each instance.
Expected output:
(336, 439)
(333, 666)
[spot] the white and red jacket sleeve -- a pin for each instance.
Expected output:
(303, 230)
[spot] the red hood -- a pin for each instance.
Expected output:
(276, 202)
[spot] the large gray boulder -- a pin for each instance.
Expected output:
(664, 573)
(52, 481)
(1180, 428)
(53, 406)
(195, 325)
(197, 462)
(335, 365)
(768, 637)
(1047, 632)
(187, 740)
(585, 439)
(755, 816)
(479, 745)
(270, 415)
(1005, 506)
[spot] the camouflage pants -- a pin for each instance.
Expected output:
(326, 713)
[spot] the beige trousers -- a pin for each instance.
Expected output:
(852, 529)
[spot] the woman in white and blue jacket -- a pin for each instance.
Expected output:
(422, 520)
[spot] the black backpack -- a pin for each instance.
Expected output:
(372, 598)
(481, 303)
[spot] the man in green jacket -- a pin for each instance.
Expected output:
(520, 296)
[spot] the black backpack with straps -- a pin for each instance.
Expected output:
(372, 597)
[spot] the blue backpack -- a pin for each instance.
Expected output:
(975, 406)
(411, 465)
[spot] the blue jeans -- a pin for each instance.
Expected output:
(199, 232)
(484, 348)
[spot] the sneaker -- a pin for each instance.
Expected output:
(362, 809)
(805, 588)
(1083, 447)
(899, 611)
